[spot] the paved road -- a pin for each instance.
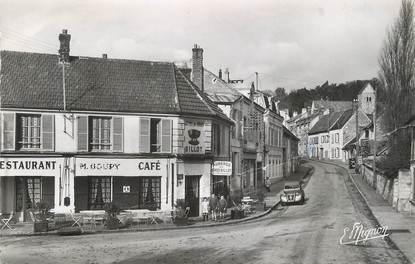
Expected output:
(293, 234)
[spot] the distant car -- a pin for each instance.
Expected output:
(293, 193)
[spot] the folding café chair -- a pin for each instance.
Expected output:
(77, 219)
(168, 217)
(7, 220)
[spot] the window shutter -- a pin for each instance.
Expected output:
(117, 134)
(83, 133)
(9, 141)
(144, 134)
(48, 132)
(166, 135)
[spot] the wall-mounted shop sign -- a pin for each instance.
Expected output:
(223, 168)
(29, 166)
(194, 137)
(120, 167)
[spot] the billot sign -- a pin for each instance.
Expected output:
(194, 137)
(223, 168)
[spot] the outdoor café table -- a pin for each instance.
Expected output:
(93, 216)
(140, 215)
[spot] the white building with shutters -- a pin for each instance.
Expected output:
(78, 132)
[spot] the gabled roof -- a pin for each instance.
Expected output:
(364, 87)
(325, 122)
(35, 81)
(346, 115)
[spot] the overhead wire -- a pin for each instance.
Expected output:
(25, 41)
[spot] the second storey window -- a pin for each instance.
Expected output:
(28, 136)
(155, 135)
(27, 132)
(100, 133)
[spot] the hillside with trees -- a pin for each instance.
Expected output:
(302, 98)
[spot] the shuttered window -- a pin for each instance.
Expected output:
(155, 135)
(28, 132)
(97, 133)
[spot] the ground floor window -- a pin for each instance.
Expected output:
(149, 193)
(28, 192)
(99, 192)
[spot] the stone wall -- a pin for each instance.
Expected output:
(404, 191)
(384, 186)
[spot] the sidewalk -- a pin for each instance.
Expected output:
(401, 226)
(272, 199)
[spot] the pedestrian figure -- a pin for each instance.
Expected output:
(268, 184)
(213, 206)
(222, 205)
(205, 209)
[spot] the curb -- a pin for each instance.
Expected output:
(387, 238)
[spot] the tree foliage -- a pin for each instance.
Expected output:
(302, 98)
(397, 82)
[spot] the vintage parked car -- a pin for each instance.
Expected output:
(293, 193)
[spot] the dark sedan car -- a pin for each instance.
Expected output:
(293, 193)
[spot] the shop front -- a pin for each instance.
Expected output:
(221, 171)
(133, 183)
(27, 181)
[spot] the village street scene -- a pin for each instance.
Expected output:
(207, 132)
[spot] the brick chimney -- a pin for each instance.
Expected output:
(227, 75)
(64, 39)
(220, 73)
(197, 67)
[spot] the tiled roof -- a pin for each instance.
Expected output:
(218, 90)
(325, 122)
(343, 119)
(35, 81)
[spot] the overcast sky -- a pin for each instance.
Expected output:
(290, 43)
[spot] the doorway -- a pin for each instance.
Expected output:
(192, 190)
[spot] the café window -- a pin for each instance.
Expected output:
(27, 132)
(100, 133)
(99, 192)
(150, 193)
(155, 135)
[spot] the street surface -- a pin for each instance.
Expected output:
(308, 233)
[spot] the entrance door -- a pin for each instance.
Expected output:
(192, 185)
(28, 193)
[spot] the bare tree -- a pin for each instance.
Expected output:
(397, 76)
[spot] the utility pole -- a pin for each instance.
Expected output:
(356, 103)
(374, 138)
